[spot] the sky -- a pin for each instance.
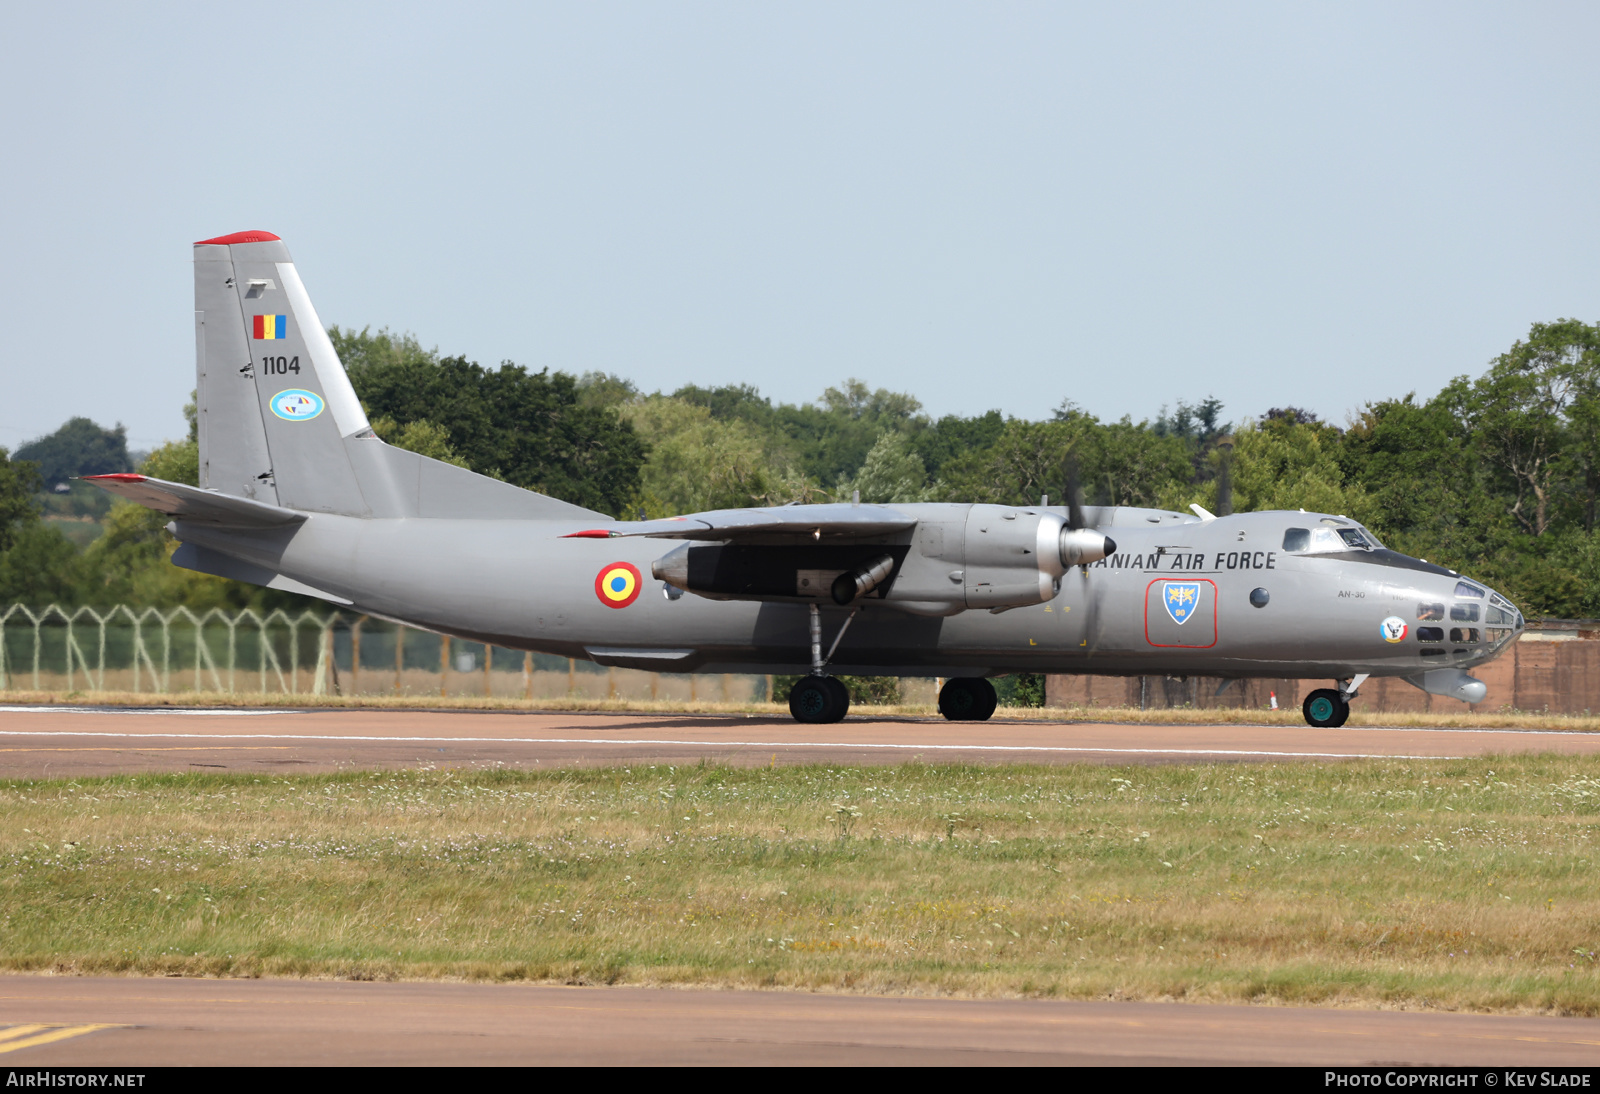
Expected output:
(988, 205)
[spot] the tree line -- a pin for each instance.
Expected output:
(1497, 475)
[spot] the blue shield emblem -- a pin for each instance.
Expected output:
(1181, 599)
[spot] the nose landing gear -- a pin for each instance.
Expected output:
(1327, 708)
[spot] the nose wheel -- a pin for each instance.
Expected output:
(967, 699)
(1325, 708)
(818, 700)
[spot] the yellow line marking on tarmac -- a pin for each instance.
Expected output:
(19, 1031)
(55, 1033)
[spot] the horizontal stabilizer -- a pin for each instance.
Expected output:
(194, 504)
(808, 522)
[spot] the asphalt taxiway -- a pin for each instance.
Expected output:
(68, 741)
(128, 1023)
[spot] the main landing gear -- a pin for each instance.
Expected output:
(967, 699)
(1329, 708)
(818, 699)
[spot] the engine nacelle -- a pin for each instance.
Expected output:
(1016, 557)
(959, 558)
(1002, 557)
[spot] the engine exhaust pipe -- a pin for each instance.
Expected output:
(862, 580)
(673, 568)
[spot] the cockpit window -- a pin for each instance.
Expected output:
(1467, 588)
(1317, 541)
(1427, 611)
(1325, 540)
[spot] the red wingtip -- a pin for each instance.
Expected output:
(592, 533)
(241, 237)
(121, 476)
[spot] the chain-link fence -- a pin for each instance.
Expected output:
(148, 650)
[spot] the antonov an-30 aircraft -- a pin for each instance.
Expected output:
(297, 493)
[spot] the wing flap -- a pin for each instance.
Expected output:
(192, 503)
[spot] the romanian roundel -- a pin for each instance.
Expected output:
(618, 585)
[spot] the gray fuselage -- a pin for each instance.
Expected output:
(520, 584)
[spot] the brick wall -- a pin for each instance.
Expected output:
(1540, 672)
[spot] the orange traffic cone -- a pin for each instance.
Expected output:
(1274, 696)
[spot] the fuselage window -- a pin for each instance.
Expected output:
(1433, 653)
(1430, 611)
(1464, 613)
(1498, 615)
(1430, 634)
(1467, 588)
(1297, 539)
(1463, 634)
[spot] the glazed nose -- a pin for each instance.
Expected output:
(1500, 612)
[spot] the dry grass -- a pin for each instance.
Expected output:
(1464, 718)
(1453, 883)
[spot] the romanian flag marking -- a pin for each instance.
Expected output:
(270, 328)
(618, 585)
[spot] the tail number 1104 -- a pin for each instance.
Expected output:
(280, 366)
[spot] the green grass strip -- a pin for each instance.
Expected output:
(1453, 883)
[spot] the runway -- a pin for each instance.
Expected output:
(128, 1023)
(71, 741)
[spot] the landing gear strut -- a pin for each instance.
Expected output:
(967, 699)
(819, 699)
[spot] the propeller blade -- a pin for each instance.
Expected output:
(1069, 472)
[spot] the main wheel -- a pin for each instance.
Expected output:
(967, 699)
(1325, 709)
(841, 696)
(818, 700)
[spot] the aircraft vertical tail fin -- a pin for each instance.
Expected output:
(274, 403)
(279, 421)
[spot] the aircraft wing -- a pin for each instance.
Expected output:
(800, 522)
(194, 504)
